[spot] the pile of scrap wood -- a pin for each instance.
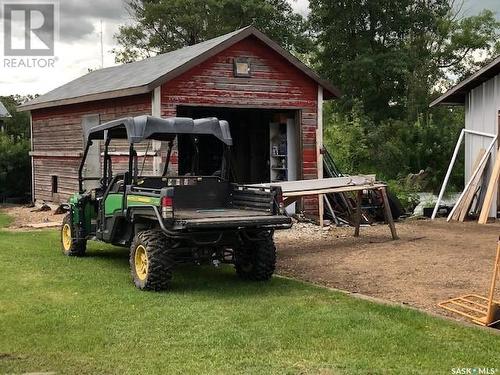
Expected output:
(341, 207)
(477, 197)
(474, 196)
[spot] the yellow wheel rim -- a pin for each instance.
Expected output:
(66, 237)
(141, 262)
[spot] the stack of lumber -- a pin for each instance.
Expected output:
(341, 206)
(478, 195)
(470, 198)
(491, 191)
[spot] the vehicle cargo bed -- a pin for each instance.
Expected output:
(222, 213)
(227, 222)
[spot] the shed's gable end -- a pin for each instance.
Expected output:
(144, 76)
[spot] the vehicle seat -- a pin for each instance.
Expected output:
(118, 187)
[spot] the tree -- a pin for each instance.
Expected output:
(17, 126)
(164, 25)
(391, 53)
(15, 168)
(15, 171)
(345, 137)
(390, 58)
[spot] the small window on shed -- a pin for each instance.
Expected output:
(54, 185)
(242, 67)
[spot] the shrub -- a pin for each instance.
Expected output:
(15, 169)
(407, 195)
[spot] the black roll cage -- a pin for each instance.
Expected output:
(140, 128)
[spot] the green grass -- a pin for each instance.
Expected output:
(83, 315)
(5, 220)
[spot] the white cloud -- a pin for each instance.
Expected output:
(77, 48)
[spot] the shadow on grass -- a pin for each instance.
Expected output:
(116, 254)
(218, 282)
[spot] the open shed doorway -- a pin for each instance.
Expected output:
(258, 134)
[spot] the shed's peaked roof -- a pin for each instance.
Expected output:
(3, 111)
(456, 95)
(143, 76)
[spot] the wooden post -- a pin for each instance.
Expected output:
(156, 145)
(321, 208)
(492, 307)
(359, 197)
(471, 192)
(388, 213)
(319, 155)
(490, 192)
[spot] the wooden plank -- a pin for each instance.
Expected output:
(75, 154)
(388, 213)
(288, 187)
(49, 224)
(357, 220)
(319, 155)
(321, 210)
(460, 203)
(469, 198)
(492, 306)
(490, 192)
(341, 189)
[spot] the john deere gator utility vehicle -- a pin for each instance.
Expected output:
(167, 220)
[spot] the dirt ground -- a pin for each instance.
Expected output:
(23, 216)
(431, 262)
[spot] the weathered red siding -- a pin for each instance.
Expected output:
(275, 84)
(57, 134)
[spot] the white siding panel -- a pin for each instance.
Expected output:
(481, 113)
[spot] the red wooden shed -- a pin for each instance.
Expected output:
(273, 103)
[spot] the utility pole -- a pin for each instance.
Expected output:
(102, 50)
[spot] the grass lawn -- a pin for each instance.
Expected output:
(5, 220)
(83, 315)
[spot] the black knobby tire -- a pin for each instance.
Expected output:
(256, 260)
(71, 246)
(160, 262)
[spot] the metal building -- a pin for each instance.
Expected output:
(480, 95)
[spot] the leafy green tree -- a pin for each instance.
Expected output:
(345, 137)
(15, 167)
(165, 25)
(399, 147)
(17, 126)
(390, 58)
(15, 170)
(391, 53)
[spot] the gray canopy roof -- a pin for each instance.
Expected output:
(137, 129)
(144, 76)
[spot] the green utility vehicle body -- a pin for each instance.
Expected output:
(167, 220)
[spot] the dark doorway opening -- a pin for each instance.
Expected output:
(251, 143)
(205, 161)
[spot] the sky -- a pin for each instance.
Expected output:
(78, 49)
